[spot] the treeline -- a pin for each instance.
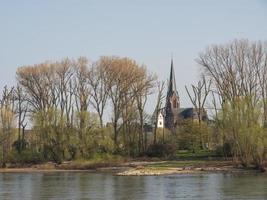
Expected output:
(64, 103)
(238, 72)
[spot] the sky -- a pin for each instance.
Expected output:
(149, 31)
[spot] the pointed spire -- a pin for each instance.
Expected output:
(172, 82)
(172, 102)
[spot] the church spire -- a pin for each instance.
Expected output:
(172, 83)
(172, 102)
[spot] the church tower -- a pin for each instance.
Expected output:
(172, 102)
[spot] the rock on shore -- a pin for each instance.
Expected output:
(143, 171)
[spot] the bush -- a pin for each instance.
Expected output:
(161, 150)
(53, 153)
(25, 157)
(20, 145)
(225, 150)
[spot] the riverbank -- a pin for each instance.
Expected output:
(185, 167)
(136, 167)
(80, 165)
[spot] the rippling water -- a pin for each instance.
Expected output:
(74, 185)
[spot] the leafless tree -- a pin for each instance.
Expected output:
(160, 97)
(198, 98)
(233, 69)
(65, 75)
(6, 120)
(82, 96)
(238, 74)
(143, 87)
(21, 112)
(98, 83)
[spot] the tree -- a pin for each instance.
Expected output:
(160, 97)
(98, 83)
(198, 98)
(6, 121)
(119, 74)
(238, 72)
(65, 74)
(21, 109)
(82, 96)
(142, 88)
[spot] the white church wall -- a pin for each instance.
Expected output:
(160, 121)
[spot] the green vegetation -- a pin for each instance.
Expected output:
(55, 113)
(98, 160)
(201, 154)
(170, 164)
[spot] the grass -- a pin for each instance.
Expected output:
(184, 158)
(98, 160)
(188, 164)
(201, 154)
(171, 164)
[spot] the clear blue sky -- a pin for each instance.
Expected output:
(32, 31)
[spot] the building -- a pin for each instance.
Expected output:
(172, 105)
(160, 120)
(172, 114)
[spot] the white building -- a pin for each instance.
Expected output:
(160, 120)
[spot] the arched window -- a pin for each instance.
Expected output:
(175, 103)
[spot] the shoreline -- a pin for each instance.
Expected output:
(136, 168)
(172, 171)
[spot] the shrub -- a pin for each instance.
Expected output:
(53, 153)
(25, 157)
(225, 150)
(20, 145)
(161, 150)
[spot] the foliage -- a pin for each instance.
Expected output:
(25, 157)
(57, 98)
(161, 150)
(20, 145)
(238, 71)
(224, 150)
(200, 154)
(191, 134)
(242, 132)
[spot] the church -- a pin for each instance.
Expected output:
(172, 114)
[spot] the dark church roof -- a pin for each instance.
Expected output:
(191, 113)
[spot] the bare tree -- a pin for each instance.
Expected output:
(82, 96)
(198, 98)
(21, 112)
(65, 74)
(232, 70)
(142, 88)
(6, 121)
(238, 73)
(98, 82)
(160, 97)
(121, 74)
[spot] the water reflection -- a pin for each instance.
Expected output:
(70, 185)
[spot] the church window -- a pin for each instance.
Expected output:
(174, 103)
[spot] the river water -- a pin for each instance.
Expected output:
(85, 185)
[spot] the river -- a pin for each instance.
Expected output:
(85, 185)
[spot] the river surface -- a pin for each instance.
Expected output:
(85, 185)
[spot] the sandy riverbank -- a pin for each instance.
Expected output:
(185, 167)
(186, 170)
(76, 167)
(136, 168)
